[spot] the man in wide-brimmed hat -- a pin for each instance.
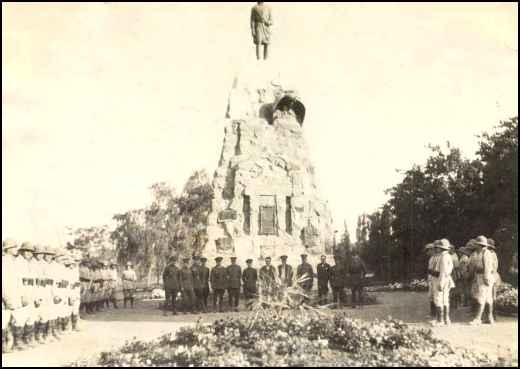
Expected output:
(485, 267)
(442, 281)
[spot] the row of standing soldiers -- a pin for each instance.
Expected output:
(191, 284)
(40, 294)
(101, 285)
(467, 275)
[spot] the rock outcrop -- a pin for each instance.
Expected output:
(266, 202)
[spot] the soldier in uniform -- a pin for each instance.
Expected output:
(485, 268)
(198, 284)
(117, 289)
(25, 267)
(442, 281)
(41, 293)
(204, 270)
(172, 284)
(249, 279)
(11, 299)
(305, 276)
(76, 292)
(64, 291)
(85, 282)
(129, 278)
(323, 274)
(234, 276)
(463, 284)
(337, 282)
(186, 281)
(285, 272)
(357, 272)
(267, 276)
(55, 297)
(218, 284)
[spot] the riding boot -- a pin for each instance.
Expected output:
(28, 333)
(74, 323)
(55, 329)
(124, 302)
(18, 344)
(132, 302)
(433, 311)
(38, 332)
(447, 320)
(47, 332)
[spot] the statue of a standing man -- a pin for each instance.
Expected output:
(261, 22)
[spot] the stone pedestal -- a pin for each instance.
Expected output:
(266, 202)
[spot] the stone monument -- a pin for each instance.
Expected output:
(266, 202)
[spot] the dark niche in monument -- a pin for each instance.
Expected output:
(227, 215)
(267, 219)
(288, 103)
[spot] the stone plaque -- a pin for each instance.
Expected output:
(226, 215)
(267, 220)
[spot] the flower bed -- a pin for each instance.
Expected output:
(293, 339)
(506, 302)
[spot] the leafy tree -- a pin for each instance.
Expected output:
(93, 241)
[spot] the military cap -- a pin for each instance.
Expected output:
(129, 263)
(249, 261)
(464, 250)
(233, 257)
(203, 259)
(218, 258)
(195, 258)
(185, 260)
(9, 244)
(428, 247)
(27, 246)
(283, 257)
(303, 256)
(268, 258)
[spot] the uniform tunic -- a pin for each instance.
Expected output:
(305, 271)
(249, 277)
(323, 274)
(218, 278)
(234, 276)
(261, 21)
(129, 278)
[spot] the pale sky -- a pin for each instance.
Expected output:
(99, 101)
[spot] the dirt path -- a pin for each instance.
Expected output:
(112, 328)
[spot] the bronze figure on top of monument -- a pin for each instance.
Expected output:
(261, 22)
